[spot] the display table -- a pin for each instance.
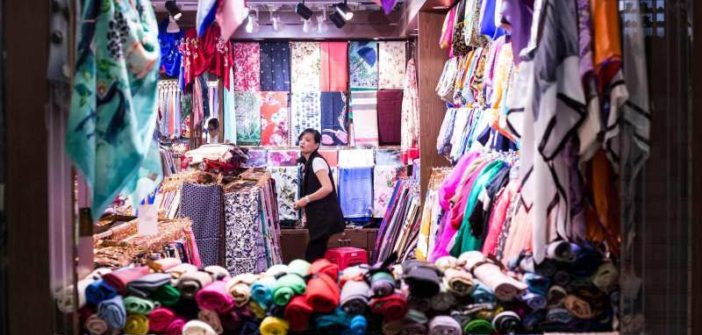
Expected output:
(293, 242)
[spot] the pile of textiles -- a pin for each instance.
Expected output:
(226, 159)
(399, 229)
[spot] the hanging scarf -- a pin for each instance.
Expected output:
(275, 66)
(363, 65)
(171, 57)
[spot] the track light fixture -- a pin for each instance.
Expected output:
(344, 10)
(173, 9)
(307, 26)
(302, 10)
(277, 23)
(252, 25)
(321, 19)
(337, 19)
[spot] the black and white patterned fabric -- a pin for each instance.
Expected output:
(244, 240)
(203, 205)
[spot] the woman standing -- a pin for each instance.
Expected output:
(318, 197)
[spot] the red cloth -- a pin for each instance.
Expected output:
(120, 278)
(389, 116)
(323, 293)
(323, 265)
(392, 307)
(176, 327)
(209, 53)
(335, 69)
(215, 298)
(298, 313)
(160, 319)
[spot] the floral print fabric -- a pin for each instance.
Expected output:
(363, 65)
(275, 66)
(171, 57)
(247, 70)
(333, 118)
(409, 141)
(283, 157)
(275, 123)
(242, 231)
(306, 113)
(305, 66)
(247, 108)
(391, 64)
(257, 158)
(287, 187)
(384, 178)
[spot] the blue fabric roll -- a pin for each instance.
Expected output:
(558, 315)
(357, 326)
(337, 322)
(356, 192)
(262, 291)
(112, 311)
(482, 293)
(98, 292)
(534, 300)
(537, 284)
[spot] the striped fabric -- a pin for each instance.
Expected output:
(364, 110)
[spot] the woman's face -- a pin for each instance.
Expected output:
(307, 144)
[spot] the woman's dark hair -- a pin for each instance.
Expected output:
(214, 123)
(315, 134)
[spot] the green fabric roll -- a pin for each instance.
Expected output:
(478, 326)
(167, 295)
(287, 287)
(299, 267)
(136, 305)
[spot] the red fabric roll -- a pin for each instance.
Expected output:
(335, 70)
(160, 319)
(323, 265)
(176, 327)
(215, 298)
(323, 293)
(298, 313)
(389, 116)
(392, 307)
(120, 278)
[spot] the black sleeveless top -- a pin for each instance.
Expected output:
(324, 217)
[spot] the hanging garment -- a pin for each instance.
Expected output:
(305, 65)
(275, 123)
(242, 231)
(409, 141)
(333, 118)
(335, 68)
(247, 108)
(275, 66)
(305, 113)
(206, 11)
(247, 66)
(171, 57)
(384, 178)
(203, 205)
(287, 189)
(208, 53)
(518, 15)
(488, 27)
(356, 192)
(447, 29)
(283, 157)
(363, 65)
(389, 116)
(110, 131)
(364, 113)
(392, 59)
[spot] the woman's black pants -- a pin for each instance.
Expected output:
(316, 249)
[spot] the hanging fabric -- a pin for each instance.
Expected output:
(335, 69)
(305, 113)
(409, 141)
(305, 66)
(389, 111)
(275, 123)
(363, 65)
(392, 59)
(171, 57)
(275, 66)
(333, 118)
(247, 108)
(247, 62)
(364, 111)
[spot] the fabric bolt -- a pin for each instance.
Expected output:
(191, 282)
(240, 288)
(556, 295)
(392, 307)
(160, 319)
(334, 67)
(392, 59)
(215, 297)
(357, 326)
(109, 135)
(275, 66)
(262, 290)
(167, 295)
(363, 65)
(247, 62)
(300, 267)
(444, 325)
(507, 322)
(409, 140)
(287, 190)
(333, 118)
(478, 326)
(112, 311)
(298, 313)
(136, 325)
(322, 293)
(356, 192)
(275, 119)
(325, 266)
(578, 307)
(258, 158)
(286, 288)
(504, 286)
(98, 292)
(197, 327)
(306, 112)
(146, 285)
(306, 67)
(243, 231)
(136, 305)
(535, 301)
(458, 282)
(336, 322)
(203, 205)
(606, 276)
(278, 270)
(164, 264)
(119, 279)
(95, 325)
(274, 326)
(247, 110)
(422, 278)
(389, 110)
(212, 319)
(355, 296)
(482, 293)
(558, 315)
(364, 111)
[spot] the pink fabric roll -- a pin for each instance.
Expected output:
(176, 327)
(160, 319)
(215, 297)
(120, 278)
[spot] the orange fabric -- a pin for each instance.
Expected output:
(335, 73)
(603, 222)
(607, 43)
(323, 265)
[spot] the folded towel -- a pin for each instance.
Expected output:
(121, 278)
(177, 271)
(164, 264)
(136, 305)
(136, 325)
(444, 325)
(277, 270)
(558, 315)
(95, 325)
(606, 276)
(299, 267)
(537, 284)
(488, 272)
(556, 295)
(298, 313)
(357, 326)
(354, 297)
(458, 281)
(215, 297)
(211, 318)
(481, 293)
(197, 327)
(421, 277)
(382, 283)
(535, 301)
(99, 291)
(578, 307)
(112, 311)
(159, 319)
(323, 265)
(333, 323)
(446, 262)
(262, 291)
(391, 307)
(286, 288)
(443, 300)
(190, 283)
(322, 293)
(240, 288)
(176, 326)
(478, 326)
(273, 326)
(143, 287)
(562, 278)
(507, 322)
(217, 272)
(65, 298)
(167, 295)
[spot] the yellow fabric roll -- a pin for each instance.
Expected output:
(137, 325)
(274, 326)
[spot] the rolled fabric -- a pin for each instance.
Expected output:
(443, 300)
(167, 295)
(556, 295)
(421, 277)
(357, 326)
(177, 271)
(535, 301)
(240, 288)
(419, 303)
(537, 284)
(215, 298)
(413, 328)
(526, 263)
(561, 251)
(482, 294)
(99, 291)
(298, 313)
(336, 322)
(262, 291)
(250, 328)
(65, 299)
(112, 311)
(299, 267)
(444, 325)
(393, 327)
(577, 307)
(95, 325)
(230, 321)
(382, 283)
(558, 315)
(458, 281)
(286, 288)
(163, 264)
(532, 320)
(322, 293)
(354, 273)
(159, 319)
(562, 278)
(136, 325)
(277, 270)
(446, 262)
(323, 265)
(354, 297)
(143, 287)
(478, 326)
(507, 322)
(416, 316)
(176, 326)
(186, 308)
(391, 307)
(192, 282)
(273, 326)
(211, 318)
(197, 327)
(139, 306)
(587, 260)
(505, 287)
(217, 272)
(606, 276)
(121, 278)
(258, 311)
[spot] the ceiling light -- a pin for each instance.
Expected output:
(321, 19)
(252, 25)
(337, 19)
(307, 25)
(172, 25)
(278, 24)
(173, 9)
(304, 11)
(344, 10)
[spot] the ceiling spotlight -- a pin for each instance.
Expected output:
(252, 25)
(344, 10)
(307, 25)
(172, 25)
(278, 24)
(304, 11)
(337, 19)
(321, 19)
(173, 9)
